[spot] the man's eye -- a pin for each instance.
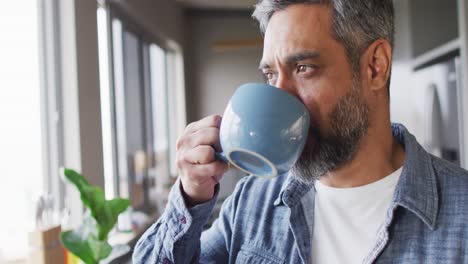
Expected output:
(304, 69)
(269, 75)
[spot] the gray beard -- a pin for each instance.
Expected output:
(349, 122)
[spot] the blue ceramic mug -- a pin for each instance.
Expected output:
(263, 130)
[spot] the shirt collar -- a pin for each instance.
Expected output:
(416, 190)
(292, 191)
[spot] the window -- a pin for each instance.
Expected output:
(30, 129)
(21, 159)
(136, 71)
(159, 99)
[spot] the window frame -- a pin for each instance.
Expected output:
(146, 39)
(51, 98)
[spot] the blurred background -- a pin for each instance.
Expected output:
(106, 88)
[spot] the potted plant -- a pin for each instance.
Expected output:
(89, 241)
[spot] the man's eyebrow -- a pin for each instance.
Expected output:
(293, 58)
(264, 65)
(304, 55)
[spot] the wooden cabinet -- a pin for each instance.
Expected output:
(433, 23)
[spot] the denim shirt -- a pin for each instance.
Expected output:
(271, 220)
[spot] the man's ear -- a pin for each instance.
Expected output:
(378, 63)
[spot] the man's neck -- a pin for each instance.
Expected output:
(379, 155)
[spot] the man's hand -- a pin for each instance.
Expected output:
(198, 167)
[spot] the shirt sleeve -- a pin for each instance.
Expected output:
(217, 241)
(175, 237)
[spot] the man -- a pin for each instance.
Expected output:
(363, 190)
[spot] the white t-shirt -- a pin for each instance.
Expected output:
(346, 220)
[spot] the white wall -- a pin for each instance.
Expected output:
(463, 32)
(423, 25)
(212, 76)
(403, 100)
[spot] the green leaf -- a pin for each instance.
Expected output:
(113, 208)
(100, 249)
(117, 252)
(89, 250)
(76, 245)
(83, 242)
(105, 212)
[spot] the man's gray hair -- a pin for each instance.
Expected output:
(355, 23)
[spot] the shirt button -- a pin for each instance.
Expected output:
(182, 219)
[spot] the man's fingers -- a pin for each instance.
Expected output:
(199, 155)
(200, 173)
(196, 159)
(205, 136)
(217, 178)
(210, 121)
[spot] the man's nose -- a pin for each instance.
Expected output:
(286, 83)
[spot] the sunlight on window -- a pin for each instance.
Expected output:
(20, 126)
(160, 113)
(106, 118)
(158, 84)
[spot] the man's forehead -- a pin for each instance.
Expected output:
(298, 29)
(303, 14)
(298, 23)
